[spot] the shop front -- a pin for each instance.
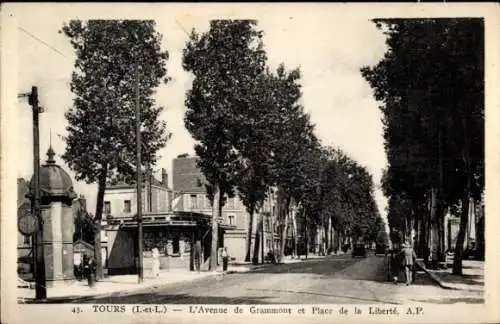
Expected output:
(176, 235)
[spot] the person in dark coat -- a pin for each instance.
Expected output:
(395, 265)
(225, 259)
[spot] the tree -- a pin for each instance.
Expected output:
(292, 139)
(255, 175)
(84, 228)
(225, 61)
(110, 55)
(442, 160)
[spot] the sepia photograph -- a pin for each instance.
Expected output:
(183, 160)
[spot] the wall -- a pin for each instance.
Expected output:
(187, 182)
(121, 252)
(186, 175)
(116, 196)
(122, 247)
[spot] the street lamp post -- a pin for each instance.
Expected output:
(38, 248)
(139, 182)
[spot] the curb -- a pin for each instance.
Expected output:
(434, 277)
(440, 282)
(75, 298)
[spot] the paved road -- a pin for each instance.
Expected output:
(332, 280)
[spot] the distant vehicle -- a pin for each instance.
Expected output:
(359, 249)
(380, 249)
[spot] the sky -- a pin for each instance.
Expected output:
(329, 48)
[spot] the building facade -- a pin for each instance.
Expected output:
(191, 196)
(120, 198)
(175, 233)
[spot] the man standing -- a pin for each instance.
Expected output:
(225, 258)
(408, 259)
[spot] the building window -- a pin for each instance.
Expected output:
(27, 239)
(107, 207)
(193, 202)
(200, 201)
(126, 206)
(231, 219)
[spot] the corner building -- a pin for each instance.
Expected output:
(190, 196)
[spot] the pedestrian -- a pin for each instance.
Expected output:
(90, 268)
(408, 257)
(225, 257)
(155, 262)
(395, 266)
(77, 261)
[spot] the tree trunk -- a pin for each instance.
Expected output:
(306, 235)
(414, 238)
(215, 237)
(335, 246)
(329, 236)
(258, 237)
(421, 230)
(101, 188)
(249, 234)
(221, 203)
(434, 239)
(442, 255)
(284, 228)
(464, 217)
(272, 220)
(440, 214)
(295, 232)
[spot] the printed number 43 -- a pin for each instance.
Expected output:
(76, 310)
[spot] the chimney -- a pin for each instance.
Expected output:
(164, 177)
(83, 202)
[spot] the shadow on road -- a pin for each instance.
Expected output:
(325, 267)
(462, 279)
(343, 296)
(160, 298)
(468, 300)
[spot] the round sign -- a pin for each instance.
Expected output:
(27, 224)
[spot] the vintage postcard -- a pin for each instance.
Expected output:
(191, 162)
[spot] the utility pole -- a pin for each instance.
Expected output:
(139, 179)
(38, 248)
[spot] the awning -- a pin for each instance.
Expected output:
(168, 219)
(157, 224)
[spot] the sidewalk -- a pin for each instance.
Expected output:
(73, 291)
(112, 285)
(472, 277)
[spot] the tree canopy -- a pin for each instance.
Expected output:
(114, 59)
(431, 80)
